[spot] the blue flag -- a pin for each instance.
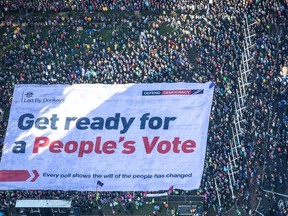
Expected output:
(212, 85)
(100, 183)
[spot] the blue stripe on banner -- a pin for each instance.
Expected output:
(151, 93)
(197, 91)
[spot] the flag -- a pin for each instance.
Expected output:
(100, 183)
(212, 85)
(170, 190)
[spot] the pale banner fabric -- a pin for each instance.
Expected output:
(132, 137)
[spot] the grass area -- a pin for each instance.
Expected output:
(106, 35)
(164, 29)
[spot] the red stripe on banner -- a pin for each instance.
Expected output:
(17, 175)
(36, 175)
(176, 92)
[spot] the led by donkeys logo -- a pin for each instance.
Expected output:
(29, 94)
(29, 97)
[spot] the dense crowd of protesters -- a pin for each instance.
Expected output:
(165, 41)
(95, 5)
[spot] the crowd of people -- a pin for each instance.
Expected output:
(164, 41)
(22, 6)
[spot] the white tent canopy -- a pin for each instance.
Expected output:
(43, 203)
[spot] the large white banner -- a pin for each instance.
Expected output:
(133, 137)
